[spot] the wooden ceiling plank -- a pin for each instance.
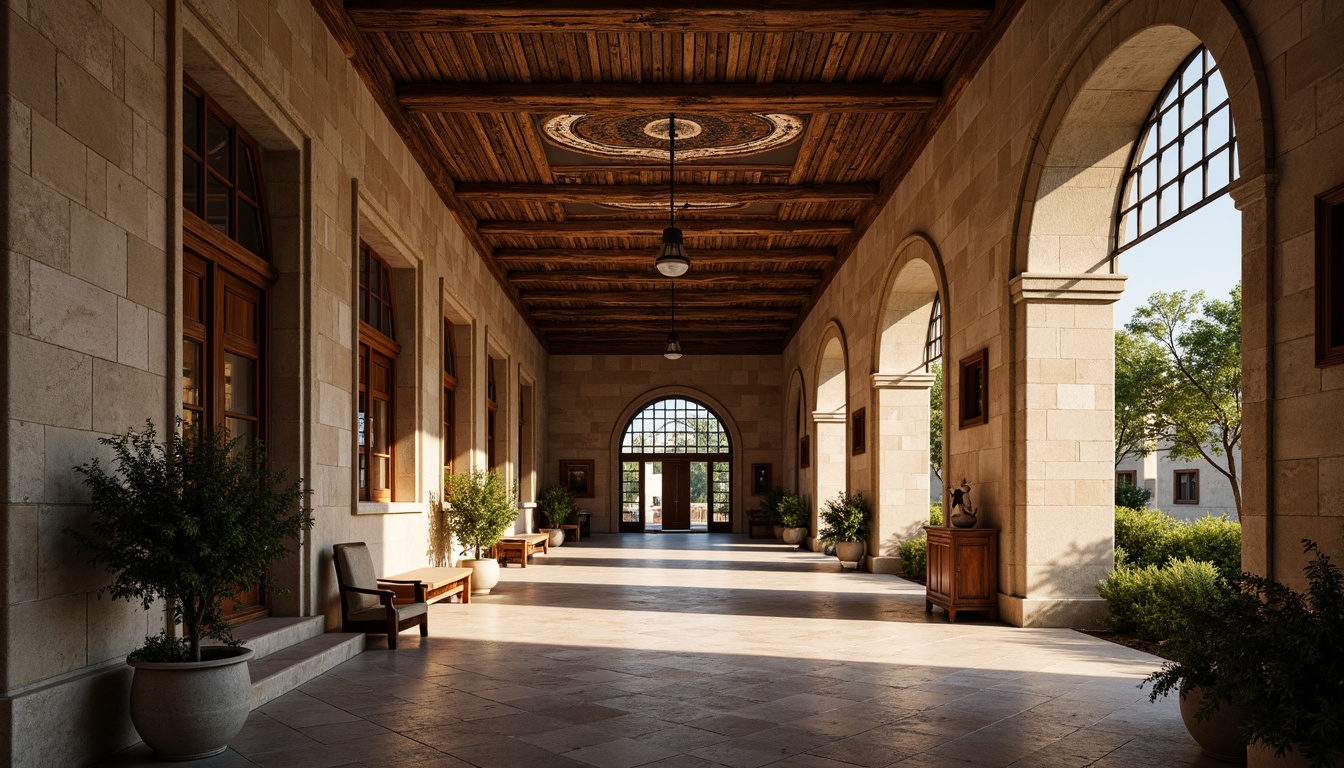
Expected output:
(701, 193)
(781, 16)
(644, 298)
(654, 227)
(625, 97)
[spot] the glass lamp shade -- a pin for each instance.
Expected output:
(672, 259)
(673, 347)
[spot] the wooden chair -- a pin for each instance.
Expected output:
(365, 607)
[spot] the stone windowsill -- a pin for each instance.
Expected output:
(390, 507)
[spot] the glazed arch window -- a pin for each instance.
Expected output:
(933, 339)
(1186, 155)
(378, 351)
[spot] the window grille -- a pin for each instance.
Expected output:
(1186, 154)
(675, 425)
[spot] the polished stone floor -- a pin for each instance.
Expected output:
(685, 650)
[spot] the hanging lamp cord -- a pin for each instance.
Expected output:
(672, 166)
(674, 305)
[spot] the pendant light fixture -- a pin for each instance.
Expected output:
(673, 341)
(672, 259)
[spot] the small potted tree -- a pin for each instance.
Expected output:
(795, 517)
(479, 510)
(556, 505)
(191, 523)
(844, 523)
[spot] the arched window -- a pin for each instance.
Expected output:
(933, 339)
(1186, 154)
(676, 469)
(378, 350)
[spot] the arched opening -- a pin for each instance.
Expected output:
(797, 444)
(1067, 280)
(676, 469)
(909, 340)
(830, 472)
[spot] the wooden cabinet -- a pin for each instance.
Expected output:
(963, 570)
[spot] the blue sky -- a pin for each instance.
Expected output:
(1200, 252)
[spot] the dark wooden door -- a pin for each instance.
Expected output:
(676, 495)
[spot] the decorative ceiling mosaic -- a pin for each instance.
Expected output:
(698, 136)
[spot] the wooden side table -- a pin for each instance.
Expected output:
(963, 570)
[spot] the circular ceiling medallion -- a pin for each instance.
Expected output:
(698, 136)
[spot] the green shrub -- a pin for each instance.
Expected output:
(1152, 537)
(1151, 601)
(793, 513)
(846, 518)
(769, 506)
(556, 505)
(935, 514)
(1132, 496)
(914, 557)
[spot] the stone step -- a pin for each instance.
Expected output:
(285, 669)
(268, 635)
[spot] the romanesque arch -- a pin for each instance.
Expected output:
(830, 467)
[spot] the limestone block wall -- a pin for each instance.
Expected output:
(92, 326)
(590, 398)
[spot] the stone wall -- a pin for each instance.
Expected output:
(592, 397)
(92, 327)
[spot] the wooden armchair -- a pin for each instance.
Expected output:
(365, 607)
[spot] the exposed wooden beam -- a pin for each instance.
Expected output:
(778, 297)
(783, 16)
(698, 281)
(654, 227)
(577, 315)
(639, 193)
(542, 259)
(627, 98)
(702, 165)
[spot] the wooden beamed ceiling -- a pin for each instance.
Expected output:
(571, 227)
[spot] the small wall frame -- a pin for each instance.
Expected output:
(858, 433)
(1330, 277)
(577, 476)
(760, 479)
(804, 452)
(973, 386)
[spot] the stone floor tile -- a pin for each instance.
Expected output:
(622, 753)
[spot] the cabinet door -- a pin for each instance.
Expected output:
(939, 571)
(972, 565)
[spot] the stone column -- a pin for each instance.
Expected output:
(1060, 536)
(829, 470)
(901, 465)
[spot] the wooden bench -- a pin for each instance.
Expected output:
(519, 547)
(440, 584)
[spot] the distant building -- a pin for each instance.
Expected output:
(1184, 489)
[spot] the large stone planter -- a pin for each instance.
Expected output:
(778, 531)
(484, 574)
(189, 710)
(794, 536)
(1218, 736)
(557, 536)
(850, 552)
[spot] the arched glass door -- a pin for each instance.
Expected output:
(676, 469)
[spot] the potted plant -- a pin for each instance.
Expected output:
(795, 517)
(768, 511)
(556, 505)
(191, 523)
(479, 510)
(1274, 651)
(844, 523)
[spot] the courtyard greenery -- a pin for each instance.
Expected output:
(846, 518)
(479, 509)
(556, 505)
(1132, 496)
(792, 512)
(936, 422)
(914, 552)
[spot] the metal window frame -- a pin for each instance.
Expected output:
(933, 338)
(651, 422)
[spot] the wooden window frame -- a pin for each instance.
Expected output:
(239, 137)
(491, 408)
(859, 432)
(449, 398)
(1329, 278)
(973, 410)
(1131, 474)
(373, 341)
(1176, 486)
(805, 452)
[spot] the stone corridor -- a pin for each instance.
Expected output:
(700, 650)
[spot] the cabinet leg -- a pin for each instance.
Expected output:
(952, 614)
(928, 607)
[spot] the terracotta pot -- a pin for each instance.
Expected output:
(779, 532)
(484, 574)
(557, 536)
(794, 536)
(189, 710)
(1218, 736)
(850, 552)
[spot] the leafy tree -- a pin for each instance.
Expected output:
(480, 508)
(936, 422)
(1196, 400)
(1140, 365)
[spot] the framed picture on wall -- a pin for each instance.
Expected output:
(577, 476)
(804, 452)
(859, 432)
(760, 479)
(974, 385)
(1330, 277)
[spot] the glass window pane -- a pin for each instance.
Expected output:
(191, 121)
(245, 430)
(247, 183)
(219, 147)
(380, 474)
(1170, 164)
(192, 372)
(240, 384)
(1218, 171)
(191, 185)
(1192, 187)
(249, 228)
(363, 425)
(217, 204)
(382, 426)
